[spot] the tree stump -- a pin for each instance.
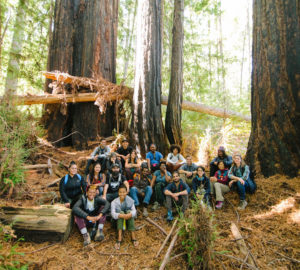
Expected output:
(39, 224)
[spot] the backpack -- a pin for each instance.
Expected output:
(67, 178)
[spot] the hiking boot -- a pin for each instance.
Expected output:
(219, 205)
(145, 212)
(86, 239)
(170, 215)
(242, 205)
(155, 206)
(99, 236)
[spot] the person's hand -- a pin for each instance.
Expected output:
(230, 183)
(95, 158)
(213, 179)
(68, 205)
(242, 181)
(189, 174)
(175, 197)
(104, 197)
(99, 216)
(216, 163)
(92, 219)
(127, 156)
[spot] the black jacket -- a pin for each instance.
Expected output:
(72, 189)
(81, 210)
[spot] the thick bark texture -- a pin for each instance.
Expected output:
(173, 115)
(83, 44)
(147, 122)
(274, 144)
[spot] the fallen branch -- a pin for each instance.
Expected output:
(167, 238)
(114, 254)
(53, 183)
(288, 258)
(37, 250)
(55, 160)
(177, 256)
(237, 259)
(155, 224)
(167, 256)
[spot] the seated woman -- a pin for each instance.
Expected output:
(123, 213)
(239, 177)
(89, 211)
(132, 165)
(174, 159)
(222, 156)
(201, 185)
(111, 161)
(219, 184)
(71, 186)
(159, 181)
(96, 178)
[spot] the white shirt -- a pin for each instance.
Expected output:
(171, 158)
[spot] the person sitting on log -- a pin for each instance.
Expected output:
(132, 165)
(113, 182)
(174, 159)
(123, 213)
(159, 181)
(219, 184)
(222, 156)
(124, 151)
(239, 175)
(96, 178)
(153, 158)
(201, 186)
(177, 193)
(71, 186)
(89, 211)
(188, 171)
(100, 154)
(141, 187)
(112, 159)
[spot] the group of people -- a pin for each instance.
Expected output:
(116, 182)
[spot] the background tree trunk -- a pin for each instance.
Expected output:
(147, 122)
(173, 114)
(274, 144)
(83, 44)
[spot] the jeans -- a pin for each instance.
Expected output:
(249, 187)
(134, 192)
(111, 196)
(183, 201)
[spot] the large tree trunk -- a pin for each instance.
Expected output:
(147, 122)
(83, 44)
(274, 144)
(173, 115)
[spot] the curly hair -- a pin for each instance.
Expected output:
(174, 146)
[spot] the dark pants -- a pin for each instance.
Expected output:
(154, 167)
(172, 167)
(92, 161)
(82, 222)
(159, 192)
(111, 196)
(212, 169)
(249, 187)
(183, 200)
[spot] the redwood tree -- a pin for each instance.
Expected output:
(147, 121)
(83, 44)
(274, 144)
(173, 115)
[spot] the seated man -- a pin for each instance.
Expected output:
(175, 159)
(142, 187)
(222, 156)
(176, 193)
(124, 151)
(99, 154)
(123, 213)
(159, 181)
(89, 211)
(113, 182)
(188, 171)
(153, 158)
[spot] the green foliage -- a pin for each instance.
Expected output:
(17, 140)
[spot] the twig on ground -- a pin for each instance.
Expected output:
(155, 224)
(246, 258)
(220, 261)
(288, 258)
(237, 259)
(236, 212)
(176, 256)
(114, 254)
(40, 249)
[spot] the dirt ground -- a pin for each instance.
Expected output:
(270, 226)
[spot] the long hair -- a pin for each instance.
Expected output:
(92, 173)
(135, 159)
(243, 164)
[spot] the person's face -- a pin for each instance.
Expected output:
(200, 172)
(176, 177)
(73, 169)
(221, 166)
(162, 167)
(125, 145)
(152, 148)
(237, 160)
(91, 194)
(113, 158)
(175, 151)
(133, 154)
(103, 143)
(97, 168)
(115, 169)
(114, 147)
(189, 161)
(220, 153)
(122, 193)
(145, 171)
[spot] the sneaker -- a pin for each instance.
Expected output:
(155, 206)
(145, 212)
(242, 205)
(86, 239)
(99, 235)
(219, 205)
(170, 216)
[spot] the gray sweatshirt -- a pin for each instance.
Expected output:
(126, 205)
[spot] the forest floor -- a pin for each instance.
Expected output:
(270, 226)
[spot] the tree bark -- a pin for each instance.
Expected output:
(83, 44)
(274, 144)
(173, 114)
(147, 123)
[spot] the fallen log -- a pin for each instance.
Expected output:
(39, 224)
(156, 225)
(53, 183)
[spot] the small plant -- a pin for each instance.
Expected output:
(197, 234)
